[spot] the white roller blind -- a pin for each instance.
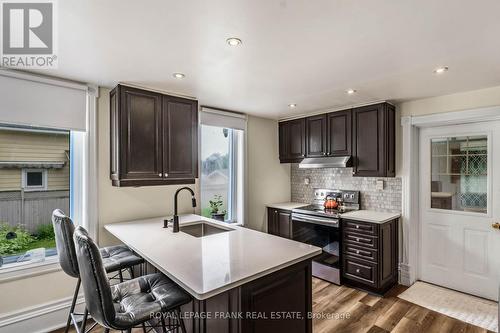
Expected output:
(214, 117)
(27, 99)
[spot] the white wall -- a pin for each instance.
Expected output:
(454, 102)
(268, 180)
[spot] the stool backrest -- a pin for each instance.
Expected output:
(98, 296)
(63, 230)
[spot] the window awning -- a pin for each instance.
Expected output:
(32, 164)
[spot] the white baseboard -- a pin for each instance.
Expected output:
(41, 318)
(404, 275)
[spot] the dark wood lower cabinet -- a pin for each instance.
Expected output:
(370, 255)
(278, 302)
(279, 222)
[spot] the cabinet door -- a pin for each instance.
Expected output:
(180, 138)
(292, 140)
(140, 137)
(272, 221)
(368, 141)
(316, 136)
(284, 224)
(339, 133)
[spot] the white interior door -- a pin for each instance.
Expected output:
(459, 202)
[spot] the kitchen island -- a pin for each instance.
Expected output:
(241, 280)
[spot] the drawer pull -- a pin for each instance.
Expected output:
(357, 251)
(358, 270)
(357, 239)
(357, 226)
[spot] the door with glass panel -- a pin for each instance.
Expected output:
(459, 207)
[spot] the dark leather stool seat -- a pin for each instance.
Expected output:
(127, 304)
(119, 257)
(135, 300)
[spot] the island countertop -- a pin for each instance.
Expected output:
(210, 265)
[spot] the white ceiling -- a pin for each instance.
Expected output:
(303, 51)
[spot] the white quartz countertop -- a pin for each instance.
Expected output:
(370, 216)
(209, 265)
(286, 205)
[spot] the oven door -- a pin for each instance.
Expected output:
(321, 232)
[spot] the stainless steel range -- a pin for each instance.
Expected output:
(316, 225)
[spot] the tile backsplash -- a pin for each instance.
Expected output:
(386, 200)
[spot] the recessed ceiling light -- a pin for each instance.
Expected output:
(179, 75)
(441, 70)
(233, 41)
(293, 105)
(350, 91)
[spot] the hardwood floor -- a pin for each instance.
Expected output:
(343, 309)
(364, 312)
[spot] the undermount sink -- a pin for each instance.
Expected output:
(202, 229)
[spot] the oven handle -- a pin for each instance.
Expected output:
(315, 220)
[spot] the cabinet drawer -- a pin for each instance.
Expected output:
(361, 271)
(361, 240)
(360, 227)
(363, 253)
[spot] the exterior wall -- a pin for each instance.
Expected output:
(30, 146)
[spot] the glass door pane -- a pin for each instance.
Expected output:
(459, 173)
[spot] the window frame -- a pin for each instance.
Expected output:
(87, 191)
(28, 188)
(225, 119)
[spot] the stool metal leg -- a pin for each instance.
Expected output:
(121, 275)
(180, 320)
(73, 304)
(84, 320)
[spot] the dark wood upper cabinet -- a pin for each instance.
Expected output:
(292, 140)
(153, 138)
(339, 133)
(374, 140)
(316, 136)
(180, 123)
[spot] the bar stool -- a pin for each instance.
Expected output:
(115, 259)
(126, 305)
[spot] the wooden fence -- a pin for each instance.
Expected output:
(31, 209)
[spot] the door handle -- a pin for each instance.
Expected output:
(496, 225)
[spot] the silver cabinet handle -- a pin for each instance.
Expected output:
(165, 175)
(358, 270)
(357, 226)
(357, 239)
(357, 251)
(159, 175)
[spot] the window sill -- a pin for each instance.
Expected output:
(22, 271)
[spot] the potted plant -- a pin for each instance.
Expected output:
(215, 208)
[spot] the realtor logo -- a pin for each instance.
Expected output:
(28, 34)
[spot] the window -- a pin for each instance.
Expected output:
(459, 168)
(222, 165)
(34, 179)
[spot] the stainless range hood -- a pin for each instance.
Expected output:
(326, 162)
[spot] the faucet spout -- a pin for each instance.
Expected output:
(176, 215)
